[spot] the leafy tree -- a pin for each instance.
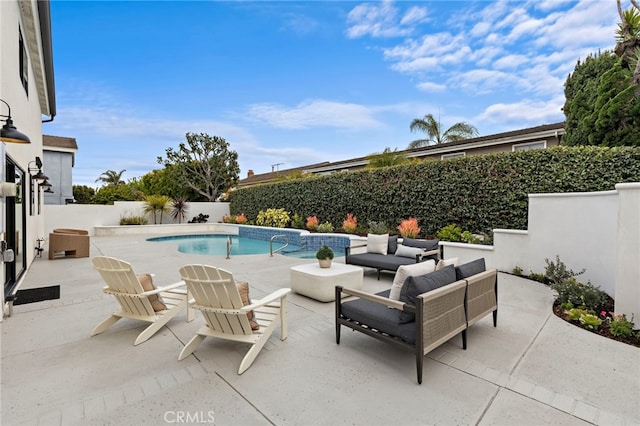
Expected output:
(204, 164)
(601, 107)
(433, 129)
(83, 194)
(156, 203)
(628, 39)
(386, 158)
(107, 194)
(111, 177)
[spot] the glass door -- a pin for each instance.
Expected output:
(15, 227)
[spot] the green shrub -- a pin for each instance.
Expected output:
(297, 221)
(378, 227)
(587, 296)
(557, 272)
(620, 326)
(324, 252)
(325, 227)
(479, 193)
(133, 220)
(276, 218)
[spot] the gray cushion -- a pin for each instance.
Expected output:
(415, 286)
(423, 244)
(471, 268)
(378, 261)
(379, 317)
(406, 251)
(392, 244)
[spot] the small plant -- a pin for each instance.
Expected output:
(537, 277)
(179, 208)
(584, 295)
(469, 238)
(450, 233)
(276, 218)
(590, 321)
(325, 227)
(324, 252)
(241, 219)
(297, 222)
(574, 314)
(557, 272)
(133, 220)
(619, 325)
(350, 224)
(156, 203)
(517, 271)
(378, 227)
(201, 218)
(312, 223)
(409, 228)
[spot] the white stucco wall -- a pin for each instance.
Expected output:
(86, 216)
(599, 231)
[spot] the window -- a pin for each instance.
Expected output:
(530, 145)
(453, 155)
(24, 63)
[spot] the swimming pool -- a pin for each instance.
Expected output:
(216, 244)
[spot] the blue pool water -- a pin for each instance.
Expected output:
(216, 244)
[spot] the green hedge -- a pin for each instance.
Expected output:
(479, 193)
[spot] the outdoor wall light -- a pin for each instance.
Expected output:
(38, 176)
(9, 133)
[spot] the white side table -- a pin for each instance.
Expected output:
(319, 283)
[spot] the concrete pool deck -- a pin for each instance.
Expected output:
(532, 369)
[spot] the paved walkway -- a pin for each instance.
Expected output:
(532, 369)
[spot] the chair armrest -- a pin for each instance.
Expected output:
(426, 254)
(347, 250)
(395, 304)
(278, 294)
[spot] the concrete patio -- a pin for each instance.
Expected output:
(532, 369)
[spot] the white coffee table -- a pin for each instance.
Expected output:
(319, 283)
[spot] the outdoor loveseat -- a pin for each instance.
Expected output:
(388, 253)
(432, 308)
(70, 242)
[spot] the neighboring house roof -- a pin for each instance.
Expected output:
(60, 144)
(515, 136)
(253, 179)
(37, 37)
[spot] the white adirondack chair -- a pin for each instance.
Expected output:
(217, 297)
(134, 302)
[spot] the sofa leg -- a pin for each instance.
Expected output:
(419, 361)
(495, 318)
(378, 274)
(464, 339)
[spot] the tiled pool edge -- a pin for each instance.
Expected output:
(304, 239)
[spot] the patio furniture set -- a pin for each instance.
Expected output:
(429, 302)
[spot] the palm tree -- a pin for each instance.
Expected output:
(179, 208)
(432, 128)
(111, 177)
(386, 158)
(156, 203)
(628, 38)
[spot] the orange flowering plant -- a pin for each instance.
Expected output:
(350, 223)
(312, 223)
(409, 228)
(241, 219)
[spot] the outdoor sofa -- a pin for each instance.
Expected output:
(70, 242)
(432, 309)
(387, 253)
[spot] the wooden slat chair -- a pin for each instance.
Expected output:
(123, 284)
(217, 297)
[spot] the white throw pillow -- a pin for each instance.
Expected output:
(377, 243)
(446, 262)
(405, 251)
(406, 271)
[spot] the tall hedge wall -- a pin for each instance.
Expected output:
(479, 193)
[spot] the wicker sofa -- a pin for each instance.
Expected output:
(432, 309)
(396, 255)
(68, 242)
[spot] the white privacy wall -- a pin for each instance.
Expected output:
(86, 216)
(599, 231)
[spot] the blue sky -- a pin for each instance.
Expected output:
(295, 83)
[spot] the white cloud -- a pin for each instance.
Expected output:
(414, 15)
(381, 20)
(524, 113)
(428, 86)
(316, 113)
